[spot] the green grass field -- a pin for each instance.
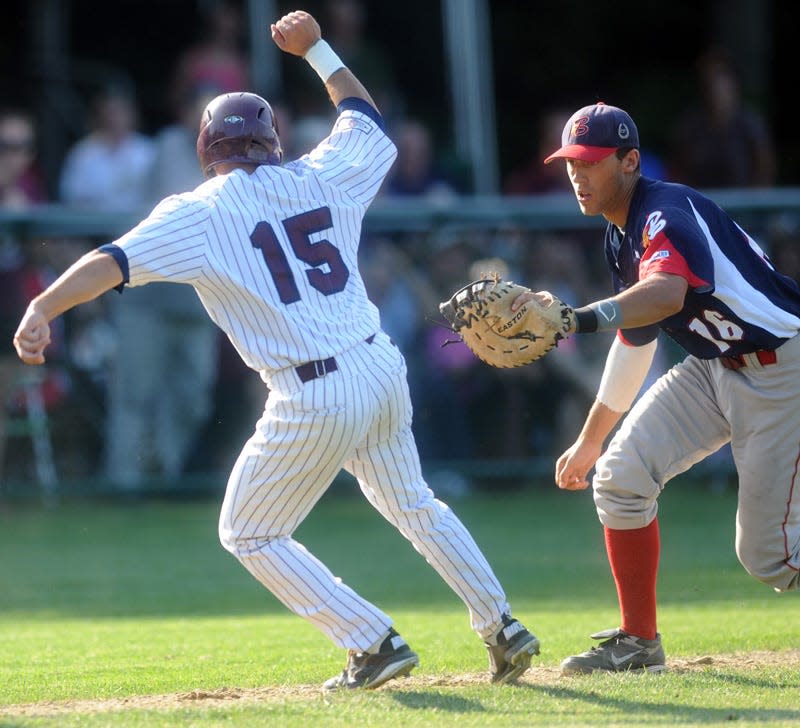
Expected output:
(133, 615)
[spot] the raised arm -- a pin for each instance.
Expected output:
(299, 34)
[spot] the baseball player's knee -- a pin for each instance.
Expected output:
(625, 494)
(233, 539)
(771, 569)
(791, 585)
(244, 546)
(228, 538)
(417, 518)
(625, 471)
(622, 509)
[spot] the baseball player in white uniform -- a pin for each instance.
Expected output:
(271, 250)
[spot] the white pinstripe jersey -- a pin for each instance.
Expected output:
(273, 255)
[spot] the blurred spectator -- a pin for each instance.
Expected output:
(346, 29)
(448, 382)
(415, 172)
(24, 269)
(20, 182)
(306, 133)
(108, 168)
(720, 142)
(783, 232)
(175, 167)
(16, 156)
(284, 120)
(534, 177)
(558, 389)
(217, 61)
(401, 291)
(160, 386)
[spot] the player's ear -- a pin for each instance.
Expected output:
(631, 161)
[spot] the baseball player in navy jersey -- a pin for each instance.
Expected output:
(271, 251)
(679, 264)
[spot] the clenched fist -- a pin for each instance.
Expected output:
(296, 32)
(32, 337)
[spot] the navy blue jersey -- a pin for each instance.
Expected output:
(736, 303)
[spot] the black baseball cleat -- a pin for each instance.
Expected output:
(510, 650)
(364, 670)
(619, 652)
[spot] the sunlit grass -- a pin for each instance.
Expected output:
(101, 602)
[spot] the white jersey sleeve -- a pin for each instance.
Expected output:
(169, 244)
(354, 158)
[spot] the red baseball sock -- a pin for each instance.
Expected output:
(633, 556)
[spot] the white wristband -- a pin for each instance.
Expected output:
(323, 59)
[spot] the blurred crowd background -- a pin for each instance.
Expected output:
(99, 105)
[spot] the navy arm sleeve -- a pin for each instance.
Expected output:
(353, 103)
(118, 254)
(641, 335)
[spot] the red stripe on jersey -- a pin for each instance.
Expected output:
(662, 257)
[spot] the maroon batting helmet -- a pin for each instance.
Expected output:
(238, 127)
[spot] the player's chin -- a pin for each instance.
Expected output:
(587, 208)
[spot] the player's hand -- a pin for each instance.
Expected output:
(543, 297)
(574, 465)
(32, 337)
(296, 32)
(522, 298)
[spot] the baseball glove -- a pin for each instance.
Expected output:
(480, 313)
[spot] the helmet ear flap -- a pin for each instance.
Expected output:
(258, 151)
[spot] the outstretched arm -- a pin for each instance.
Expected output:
(647, 302)
(299, 33)
(92, 275)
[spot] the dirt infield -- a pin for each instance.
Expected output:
(539, 676)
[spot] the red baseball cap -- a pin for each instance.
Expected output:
(594, 132)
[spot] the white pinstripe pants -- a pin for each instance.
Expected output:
(357, 418)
